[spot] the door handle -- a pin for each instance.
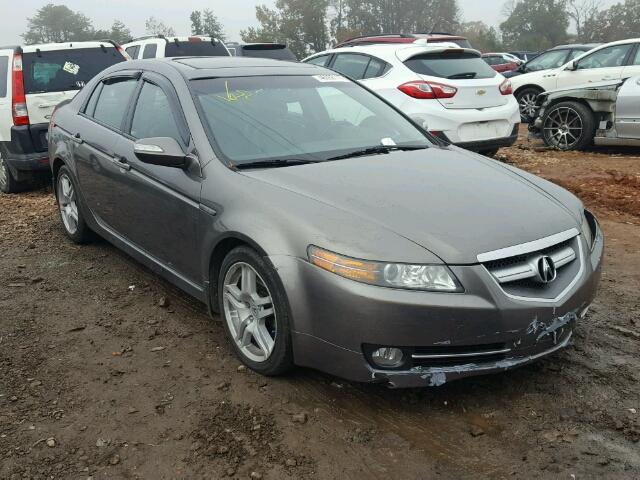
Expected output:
(122, 163)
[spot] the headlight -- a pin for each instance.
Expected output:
(437, 278)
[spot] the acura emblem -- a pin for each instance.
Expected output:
(546, 270)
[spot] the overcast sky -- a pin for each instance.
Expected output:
(234, 14)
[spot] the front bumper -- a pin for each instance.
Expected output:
(335, 319)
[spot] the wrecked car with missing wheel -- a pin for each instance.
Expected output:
(322, 225)
(606, 113)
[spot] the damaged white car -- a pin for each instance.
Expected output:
(606, 113)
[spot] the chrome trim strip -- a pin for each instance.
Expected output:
(528, 247)
(526, 269)
(460, 355)
(581, 259)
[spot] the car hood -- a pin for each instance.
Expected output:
(449, 201)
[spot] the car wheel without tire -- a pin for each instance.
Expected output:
(568, 126)
(69, 207)
(8, 184)
(255, 312)
(527, 103)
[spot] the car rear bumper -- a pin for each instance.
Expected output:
(492, 144)
(26, 153)
(338, 322)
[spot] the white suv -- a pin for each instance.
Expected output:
(449, 90)
(34, 79)
(160, 47)
(612, 61)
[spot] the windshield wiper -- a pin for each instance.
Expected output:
(379, 150)
(273, 163)
(463, 75)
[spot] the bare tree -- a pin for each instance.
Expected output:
(582, 12)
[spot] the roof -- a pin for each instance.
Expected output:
(45, 47)
(206, 67)
(577, 45)
(394, 51)
(399, 38)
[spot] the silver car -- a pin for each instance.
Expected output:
(606, 113)
(324, 226)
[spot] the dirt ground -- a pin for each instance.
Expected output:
(107, 371)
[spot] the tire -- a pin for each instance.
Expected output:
(526, 101)
(8, 184)
(568, 126)
(242, 305)
(71, 214)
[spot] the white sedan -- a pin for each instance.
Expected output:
(449, 90)
(609, 62)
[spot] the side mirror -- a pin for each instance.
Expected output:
(573, 66)
(162, 151)
(522, 68)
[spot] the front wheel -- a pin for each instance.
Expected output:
(255, 312)
(568, 126)
(527, 103)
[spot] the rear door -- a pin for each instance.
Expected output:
(600, 66)
(51, 76)
(477, 83)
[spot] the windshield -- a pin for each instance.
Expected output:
(203, 48)
(276, 52)
(453, 64)
(547, 60)
(62, 70)
(297, 117)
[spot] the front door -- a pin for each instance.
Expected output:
(160, 204)
(600, 66)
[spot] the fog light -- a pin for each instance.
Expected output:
(387, 357)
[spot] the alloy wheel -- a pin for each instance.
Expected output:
(249, 312)
(67, 203)
(528, 104)
(563, 128)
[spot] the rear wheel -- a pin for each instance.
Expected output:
(69, 207)
(568, 126)
(8, 184)
(255, 312)
(527, 103)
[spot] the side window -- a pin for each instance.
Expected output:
(376, 68)
(133, 51)
(150, 50)
(607, 57)
(113, 100)
(4, 72)
(322, 60)
(153, 116)
(91, 104)
(551, 59)
(352, 65)
(634, 61)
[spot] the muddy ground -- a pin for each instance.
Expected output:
(106, 371)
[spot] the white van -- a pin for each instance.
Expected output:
(34, 79)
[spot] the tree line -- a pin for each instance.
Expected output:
(308, 26)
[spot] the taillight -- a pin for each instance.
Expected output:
(427, 90)
(18, 100)
(506, 88)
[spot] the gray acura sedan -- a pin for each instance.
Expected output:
(323, 226)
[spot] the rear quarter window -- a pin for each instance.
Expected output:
(195, 49)
(63, 70)
(4, 73)
(451, 65)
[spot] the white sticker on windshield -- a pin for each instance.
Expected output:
(71, 68)
(388, 142)
(330, 78)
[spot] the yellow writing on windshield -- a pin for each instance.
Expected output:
(234, 95)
